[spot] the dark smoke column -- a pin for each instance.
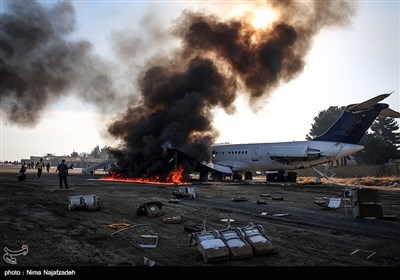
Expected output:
(217, 60)
(40, 64)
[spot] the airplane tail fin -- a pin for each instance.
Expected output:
(356, 120)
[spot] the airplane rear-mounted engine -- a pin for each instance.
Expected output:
(293, 153)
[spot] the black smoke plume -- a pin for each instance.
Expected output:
(41, 64)
(218, 59)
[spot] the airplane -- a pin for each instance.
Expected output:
(339, 141)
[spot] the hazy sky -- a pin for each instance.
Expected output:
(345, 65)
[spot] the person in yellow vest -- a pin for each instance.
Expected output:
(39, 166)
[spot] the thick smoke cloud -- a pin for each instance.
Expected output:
(218, 59)
(40, 63)
(176, 92)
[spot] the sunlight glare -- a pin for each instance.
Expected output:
(262, 18)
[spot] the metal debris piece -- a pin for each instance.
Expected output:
(366, 251)
(173, 220)
(83, 202)
(148, 241)
(195, 228)
(150, 208)
(174, 200)
(137, 225)
(281, 215)
(148, 262)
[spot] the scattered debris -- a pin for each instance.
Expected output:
(265, 195)
(185, 192)
(173, 220)
(281, 215)
(151, 209)
(83, 202)
(119, 225)
(319, 201)
(389, 217)
(239, 198)
(261, 202)
(277, 197)
(174, 200)
(195, 228)
(148, 241)
(331, 203)
(226, 220)
(148, 262)
(264, 213)
(125, 228)
(371, 253)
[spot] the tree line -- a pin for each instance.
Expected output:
(96, 153)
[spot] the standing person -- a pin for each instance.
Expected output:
(39, 166)
(62, 173)
(48, 167)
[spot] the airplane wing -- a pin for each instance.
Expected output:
(369, 103)
(389, 113)
(217, 167)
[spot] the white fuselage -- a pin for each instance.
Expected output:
(279, 156)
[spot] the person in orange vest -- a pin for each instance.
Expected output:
(39, 166)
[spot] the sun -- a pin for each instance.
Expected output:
(262, 18)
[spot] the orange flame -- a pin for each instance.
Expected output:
(175, 177)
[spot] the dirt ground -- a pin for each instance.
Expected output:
(34, 212)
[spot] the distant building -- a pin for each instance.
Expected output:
(78, 162)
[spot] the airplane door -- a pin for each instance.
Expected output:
(255, 154)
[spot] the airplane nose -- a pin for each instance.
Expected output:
(349, 149)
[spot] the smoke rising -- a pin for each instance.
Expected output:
(41, 64)
(218, 58)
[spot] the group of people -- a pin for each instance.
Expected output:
(62, 170)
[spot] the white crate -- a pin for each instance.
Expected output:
(82, 202)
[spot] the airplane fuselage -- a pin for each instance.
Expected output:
(279, 156)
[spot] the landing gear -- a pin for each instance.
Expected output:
(237, 177)
(216, 176)
(248, 176)
(203, 176)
